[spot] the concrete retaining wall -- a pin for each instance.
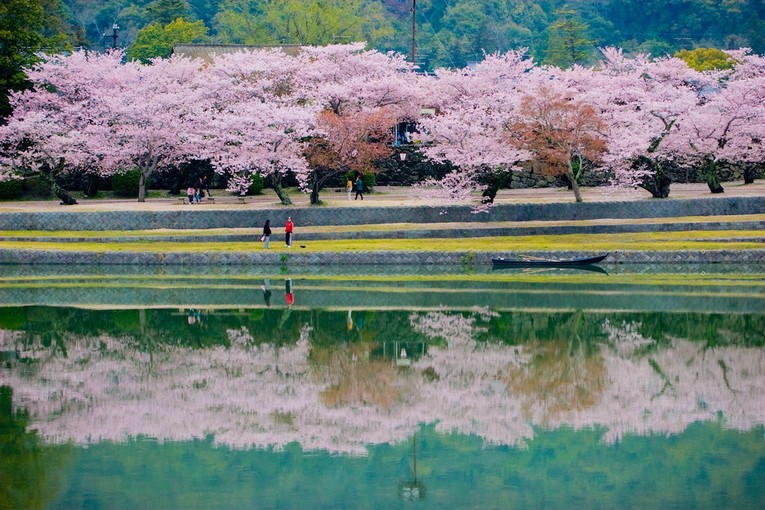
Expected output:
(247, 218)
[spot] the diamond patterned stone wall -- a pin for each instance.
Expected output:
(249, 218)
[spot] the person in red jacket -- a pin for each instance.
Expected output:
(288, 232)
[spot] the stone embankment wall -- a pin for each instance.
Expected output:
(357, 216)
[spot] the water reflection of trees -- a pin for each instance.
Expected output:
(29, 472)
(270, 377)
(151, 328)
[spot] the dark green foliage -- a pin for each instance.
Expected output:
(455, 32)
(10, 189)
(166, 11)
(125, 184)
(412, 169)
(568, 40)
(369, 180)
(26, 28)
(256, 188)
(37, 187)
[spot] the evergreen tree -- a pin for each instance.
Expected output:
(24, 31)
(158, 41)
(165, 11)
(568, 42)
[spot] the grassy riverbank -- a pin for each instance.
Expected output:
(653, 241)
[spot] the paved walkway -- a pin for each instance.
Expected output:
(387, 196)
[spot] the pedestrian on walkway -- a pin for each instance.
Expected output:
(204, 185)
(349, 188)
(288, 227)
(359, 187)
(266, 237)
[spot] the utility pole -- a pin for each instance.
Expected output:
(414, 28)
(113, 36)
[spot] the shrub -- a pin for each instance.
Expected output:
(37, 187)
(125, 184)
(369, 180)
(10, 189)
(256, 188)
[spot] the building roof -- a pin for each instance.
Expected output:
(208, 51)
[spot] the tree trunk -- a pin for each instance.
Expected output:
(315, 192)
(658, 182)
(574, 183)
(51, 175)
(65, 197)
(142, 184)
(713, 180)
(750, 173)
(91, 185)
(181, 180)
(276, 183)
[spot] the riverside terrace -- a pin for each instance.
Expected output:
(391, 213)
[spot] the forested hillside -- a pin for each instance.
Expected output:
(449, 32)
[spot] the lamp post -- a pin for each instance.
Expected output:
(113, 36)
(412, 490)
(414, 28)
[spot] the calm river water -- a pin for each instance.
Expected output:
(280, 388)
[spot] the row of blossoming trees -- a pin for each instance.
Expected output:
(327, 110)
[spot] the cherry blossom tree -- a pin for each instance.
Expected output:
(563, 132)
(258, 117)
(640, 100)
(725, 126)
(362, 95)
(351, 142)
(155, 117)
(475, 108)
(91, 111)
(54, 128)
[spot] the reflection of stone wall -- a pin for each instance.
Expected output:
(467, 258)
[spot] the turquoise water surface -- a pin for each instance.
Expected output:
(378, 388)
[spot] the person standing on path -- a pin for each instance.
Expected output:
(204, 185)
(349, 188)
(266, 238)
(359, 187)
(288, 227)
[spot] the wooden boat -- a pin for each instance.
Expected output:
(539, 262)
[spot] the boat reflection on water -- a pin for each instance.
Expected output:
(553, 269)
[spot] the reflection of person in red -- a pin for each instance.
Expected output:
(288, 232)
(288, 295)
